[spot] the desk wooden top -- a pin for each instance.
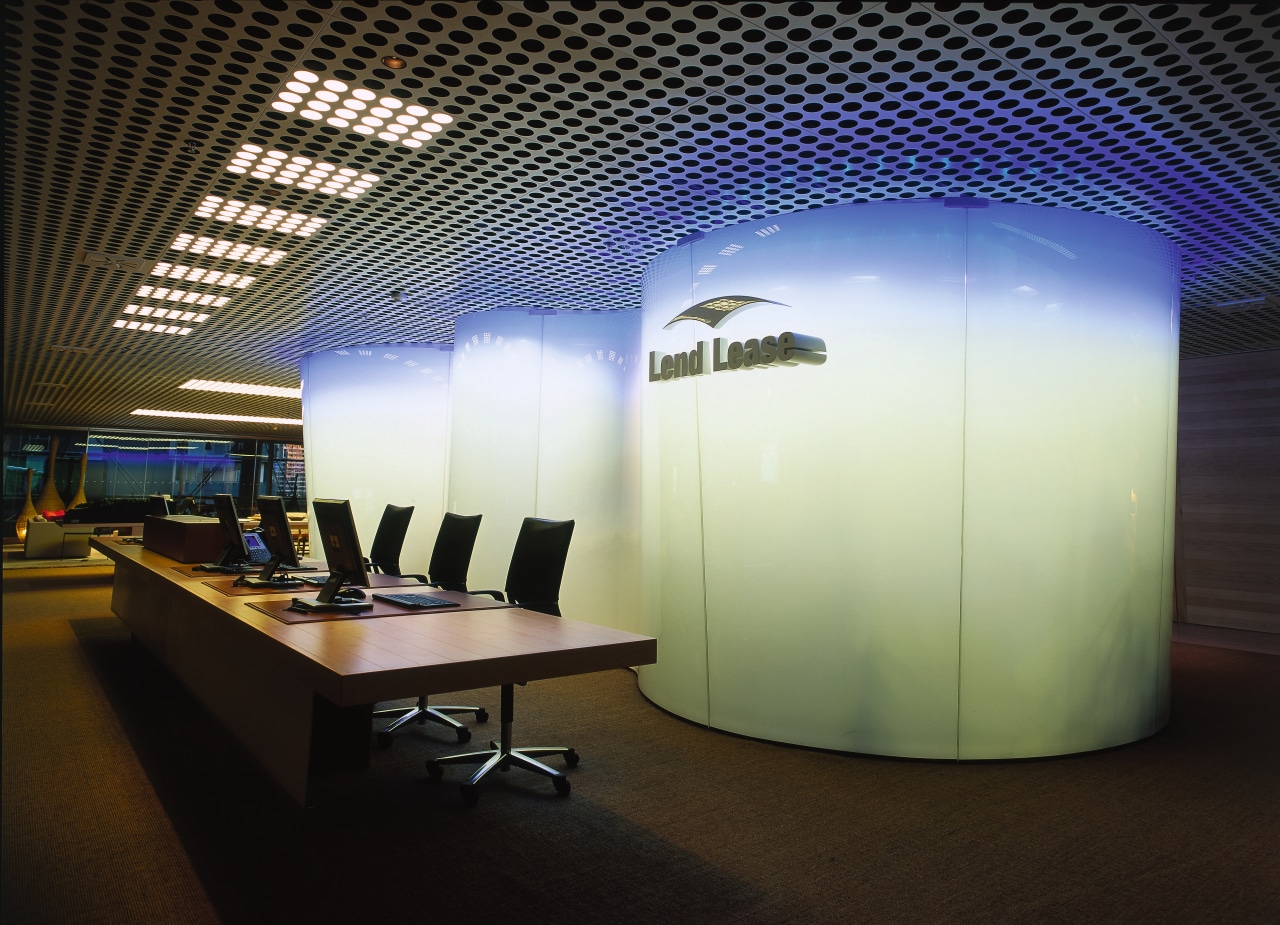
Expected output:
(368, 660)
(282, 611)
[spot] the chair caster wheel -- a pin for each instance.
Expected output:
(464, 735)
(470, 794)
(385, 739)
(482, 716)
(562, 785)
(571, 759)
(434, 771)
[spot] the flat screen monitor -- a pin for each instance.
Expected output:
(276, 531)
(236, 552)
(342, 555)
(159, 506)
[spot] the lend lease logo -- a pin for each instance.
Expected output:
(785, 349)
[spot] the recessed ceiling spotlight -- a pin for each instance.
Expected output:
(255, 216)
(241, 388)
(394, 63)
(243, 418)
(321, 176)
(359, 109)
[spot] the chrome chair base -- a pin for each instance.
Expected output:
(500, 756)
(423, 713)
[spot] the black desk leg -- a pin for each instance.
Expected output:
(339, 736)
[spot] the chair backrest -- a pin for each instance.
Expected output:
(537, 564)
(384, 554)
(451, 557)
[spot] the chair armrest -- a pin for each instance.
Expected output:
(421, 579)
(493, 594)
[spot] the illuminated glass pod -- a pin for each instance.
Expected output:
(907, 478)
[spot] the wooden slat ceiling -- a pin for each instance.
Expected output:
(585, 139)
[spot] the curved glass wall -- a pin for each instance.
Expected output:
(908, 476)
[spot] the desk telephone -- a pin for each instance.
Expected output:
(258, 553)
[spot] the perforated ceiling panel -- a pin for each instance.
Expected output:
(538, 154)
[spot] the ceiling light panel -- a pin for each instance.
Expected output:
(202, 416)
(241, 388)
(303, 172)
(359, 109)
(185, 296)
(152, 327)
(161, 311)
(202, 275)
(256, 216)
(227, 250)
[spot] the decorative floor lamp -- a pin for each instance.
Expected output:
(28, 511)
(49, 499)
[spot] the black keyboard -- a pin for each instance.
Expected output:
(416, 601)
(283, 582)
(303, 605)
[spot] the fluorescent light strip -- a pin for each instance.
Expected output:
(243, 418)
(241, 388)
(227, 250)
(254, 216)
(322, 176)
(201, 275)
(182, 295)
(156, 312)
(360, 109)
(151, 327)
(121, 438)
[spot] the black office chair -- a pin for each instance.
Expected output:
(450, 560)
(533, 582)
(384, 554)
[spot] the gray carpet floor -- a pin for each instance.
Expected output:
(124, 802)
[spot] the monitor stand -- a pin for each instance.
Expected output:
(267, 578)
(325, 601)
(229, 563)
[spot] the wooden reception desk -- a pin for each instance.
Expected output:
(298, 696)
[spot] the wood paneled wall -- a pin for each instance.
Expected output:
(1227, 571)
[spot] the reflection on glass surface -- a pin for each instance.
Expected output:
(375, 427)
(541, 428)
(115, 472)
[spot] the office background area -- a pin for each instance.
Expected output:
(439, 253)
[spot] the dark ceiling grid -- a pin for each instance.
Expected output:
(133, 228)
(575, 159)
(502, 246)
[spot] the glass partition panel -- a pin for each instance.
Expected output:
(106, 476)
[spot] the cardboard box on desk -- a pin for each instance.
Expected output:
(184, 538)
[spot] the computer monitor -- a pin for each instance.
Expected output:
(273, 547)
(159, 506)
(276, 531)
(236, 552)
(342, 554)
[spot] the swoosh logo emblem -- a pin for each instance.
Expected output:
(714, 312)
